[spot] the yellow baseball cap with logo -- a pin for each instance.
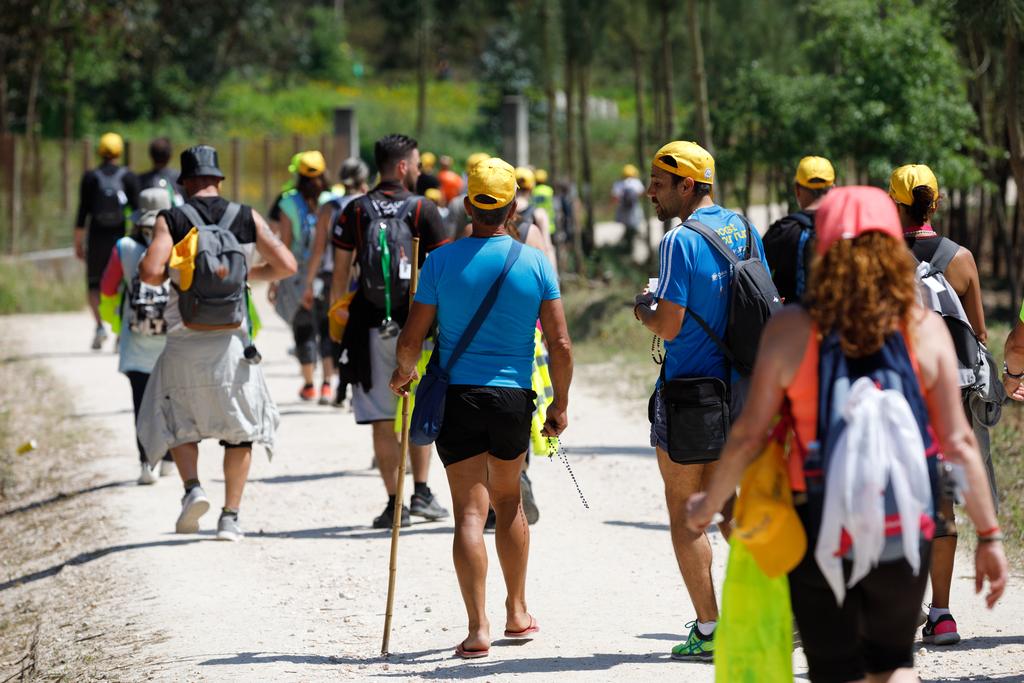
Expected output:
(815, 173)
(541, 176)
(111, 146)
(630, 171)
(474, 159)
(311, 164)
(492, 184)
(905, 178)
(686, 159)
(525, 178)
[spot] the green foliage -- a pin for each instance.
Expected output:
(27, 289)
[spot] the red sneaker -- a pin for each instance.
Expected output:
(942, 631)
(307, 393)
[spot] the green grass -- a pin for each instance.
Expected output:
(24, 288)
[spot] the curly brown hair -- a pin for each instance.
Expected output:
(864, 289)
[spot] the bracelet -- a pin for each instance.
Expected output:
(990, 539)
(989, 532)
(1012, 375)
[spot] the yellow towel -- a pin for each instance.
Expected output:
(183, 258)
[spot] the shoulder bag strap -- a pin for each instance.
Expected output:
(944, 254)
(485, 307)
(714, 337)
(193, 215)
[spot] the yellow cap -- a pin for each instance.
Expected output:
(541, 176)
(815, 173)
(111, 146)
(905, 178)
(475, 159)
(686, 159)
(427, 161)
(433, 194)
(525, 178)
(311, 164)
(630, 171)
(492, 184)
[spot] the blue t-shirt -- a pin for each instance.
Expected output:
(456, 278)
(694, 275)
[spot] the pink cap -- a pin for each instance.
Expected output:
(849, 212)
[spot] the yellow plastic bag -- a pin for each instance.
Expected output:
(183, 258)
(337, 317)
(754, 638)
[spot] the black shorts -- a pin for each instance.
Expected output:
(874, 629)
(477, 420)
(98, 245)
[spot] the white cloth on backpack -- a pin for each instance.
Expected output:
(881, 445)
(936, 294)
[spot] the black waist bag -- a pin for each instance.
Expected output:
(698, 417)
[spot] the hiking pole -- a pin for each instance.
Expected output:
(396, 513)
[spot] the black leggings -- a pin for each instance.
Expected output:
(874, 629)
(305, 334)
(138, 381)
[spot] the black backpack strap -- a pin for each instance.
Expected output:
(229, 216)
(714, 337)
(803, 219)
(944, 254)
(752, 250)
(714, 239)
(191, 214)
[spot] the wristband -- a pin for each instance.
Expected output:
(1012, 375)
(990, 539)
(989, 532)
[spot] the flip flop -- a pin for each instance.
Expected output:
(461, 651)
(534, 627)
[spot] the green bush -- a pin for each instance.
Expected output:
(24, 288)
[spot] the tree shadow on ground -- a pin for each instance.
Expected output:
(86, 557)
(100, 414)
(62, 497)
(490, 668)
(978, 643)
(635, 451)
(45, 355)
(358, 532)
(301, 478)
(648, 526)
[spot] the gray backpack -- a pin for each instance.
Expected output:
(216, 298)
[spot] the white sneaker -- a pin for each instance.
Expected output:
(168, 468)
(194, 505)
(146, 475)
(99, 338)
(228, 528)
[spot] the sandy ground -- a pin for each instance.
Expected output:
(302, 597)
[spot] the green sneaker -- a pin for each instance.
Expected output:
(697, 646)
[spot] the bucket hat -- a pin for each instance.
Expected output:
(200, 160)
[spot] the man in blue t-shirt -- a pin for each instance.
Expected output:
(693, 277)
(489, 405)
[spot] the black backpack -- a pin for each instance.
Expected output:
(524, 222)
(216, 299)
(753, 299)
(108, 207)
(803, 268)
(388, 241)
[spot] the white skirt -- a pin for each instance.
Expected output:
(203, 388)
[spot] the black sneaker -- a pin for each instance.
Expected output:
(529, 503)
(386, 519)
(426, 505)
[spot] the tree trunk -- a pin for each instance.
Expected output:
(31, 117)
(1016, 156)
(656, 97)
(700, 81)
(588, 178)
(422, 54)
(570, 118)
(549, 89)
(641, 158)
(666, 63)
(5, 125)
(69, 120)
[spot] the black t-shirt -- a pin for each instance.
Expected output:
(924, 248)
(168, 176)
(211, 209)
(427, 182)
(275, 209)
(781, 247)
(349, 230)
(89, 192)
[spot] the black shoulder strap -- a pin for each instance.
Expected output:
(944, 254)
(191, 214)
(229, 215)
(371, 209)
(803, 219)
(714, 337)
(714, 239)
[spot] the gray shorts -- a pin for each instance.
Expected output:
(379, 404)
(659, 421)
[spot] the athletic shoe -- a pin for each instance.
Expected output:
(147, 475)
(427, 506)
(194, 505)
(942, 631)
(386, 519)
(167, 468)
(697, 645)
(325, 394)
(99, 338)
(922, 618)
(307, 393)
(228, 529)
(529, 503)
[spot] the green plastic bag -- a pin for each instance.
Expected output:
(754, 638)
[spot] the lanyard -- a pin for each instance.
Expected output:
(385, 264)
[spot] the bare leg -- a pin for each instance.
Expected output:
(385, 447)
(186, 457)
(896, 676)
(420, 456)
(94, 305)
(327, 364)
(307, 373)
(468, 482)
(943, 555)
(511, 536)
(236, 472)
(693, 551)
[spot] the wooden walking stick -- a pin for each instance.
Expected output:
(396, 524)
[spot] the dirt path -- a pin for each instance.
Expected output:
(302, 597)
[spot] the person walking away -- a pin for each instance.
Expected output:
(353, 176)
(694, 281)
(861, 360)
(544, 197)
(376, 230)
(626, 194)
(789, 242)
(162, 176)
(105, 193)
(295, 297)
(486, 426)
(135, 311)
(915, 190)
(450, 182)
(532, 222)
(427, 180)
(207, 383)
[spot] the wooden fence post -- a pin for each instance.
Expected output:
(296, 143)
(65, 175)
(14, 190)
(236, 169)
(127, 158)
(266, 171)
